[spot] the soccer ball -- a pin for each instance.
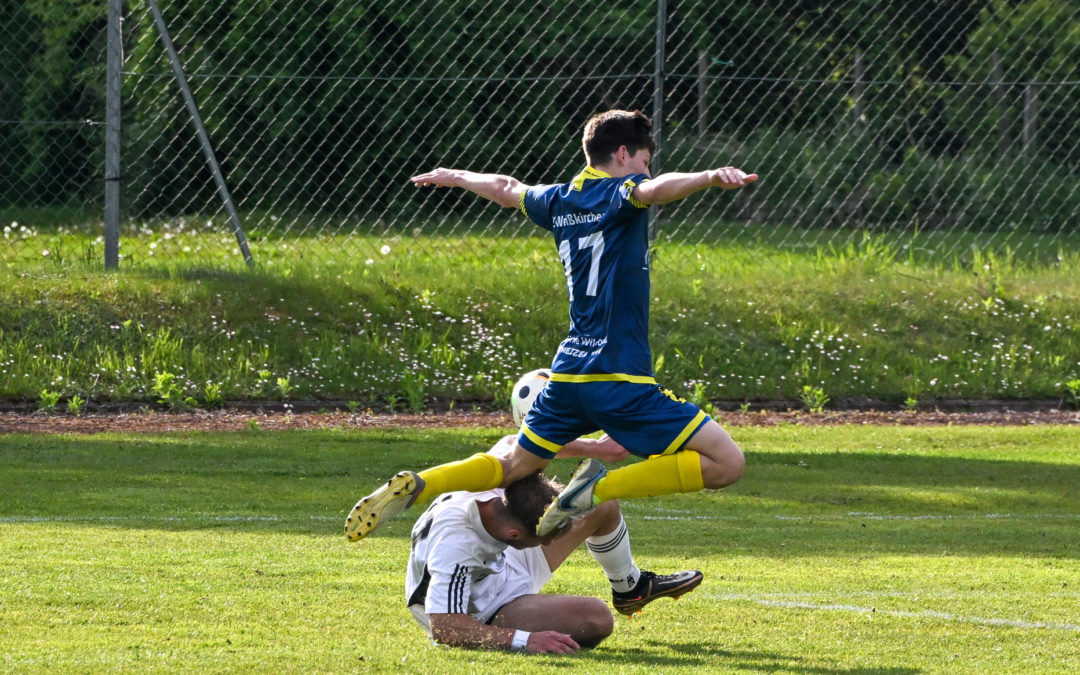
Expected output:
(525, 392)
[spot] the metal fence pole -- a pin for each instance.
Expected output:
(1031, 112)
(204, 139)
(1002, 107)
(113, 67)
(857, 89)
(703, 95)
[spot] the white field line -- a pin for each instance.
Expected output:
(923, 614)
(198, 518)
(878, 516)
(635, 513)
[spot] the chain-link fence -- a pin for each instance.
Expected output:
(949, 124)
(52, 62)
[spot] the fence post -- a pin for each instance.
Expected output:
(1002, 107)
(857, 89)
(114, 64)
(702, 95)
(1031, 111)
(658, 105)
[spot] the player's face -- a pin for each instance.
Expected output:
(639, 162)
(530, 540)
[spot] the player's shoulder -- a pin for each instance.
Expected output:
(606, 183)
(614, 192)
(545, 190)
(456, 525)
(448, 520)
(457, 507)
(634, 179)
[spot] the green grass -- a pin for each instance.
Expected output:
(843, 549)
(447, 318)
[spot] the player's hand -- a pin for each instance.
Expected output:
(438, 178)
(730, 178)
(551, 642)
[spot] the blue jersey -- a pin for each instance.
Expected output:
(602, 235)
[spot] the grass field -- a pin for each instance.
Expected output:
(843, 550)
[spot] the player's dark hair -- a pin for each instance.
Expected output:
(526, 498)
(605, 132)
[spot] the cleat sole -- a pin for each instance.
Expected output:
(383, 504)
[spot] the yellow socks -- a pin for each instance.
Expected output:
(475, 474)
(663, 475)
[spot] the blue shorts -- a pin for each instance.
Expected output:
(646, 419)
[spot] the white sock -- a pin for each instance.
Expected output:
(612, 551)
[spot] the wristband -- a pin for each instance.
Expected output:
(521, 638)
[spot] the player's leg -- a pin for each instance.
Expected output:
(605, 534)
(527, 571)
(687, 452)
(480, 472)
(722, 460)
(588, 620)
(552, 422)
(600, 522)
(709, 459)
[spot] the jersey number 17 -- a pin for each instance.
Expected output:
(594, 244)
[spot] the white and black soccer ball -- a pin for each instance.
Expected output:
(525, 392)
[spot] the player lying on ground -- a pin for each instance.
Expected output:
(601, 375)
(477, 566)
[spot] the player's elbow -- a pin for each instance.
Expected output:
(440, 628)
(645, 194)
(446, 629)
(442, 635)
(509, 193)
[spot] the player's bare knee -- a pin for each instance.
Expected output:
(735, 466)
(520, 463)
(723, 469)
(603, 519)
(508, 469)
(597, 622)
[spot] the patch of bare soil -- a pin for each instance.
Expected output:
(276, 419)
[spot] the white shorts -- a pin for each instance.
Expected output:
(526, 573)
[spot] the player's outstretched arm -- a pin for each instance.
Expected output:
(503, 190)
(604, 449)
(670, 187)
(461, 630)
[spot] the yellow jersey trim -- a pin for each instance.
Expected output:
(603, 377)
(542, 442)
(630, 185)
(685, 434)
(521, 202)
(588, 174)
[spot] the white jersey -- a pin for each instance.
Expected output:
(456, 567)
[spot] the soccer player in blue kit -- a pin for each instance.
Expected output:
(601, 375)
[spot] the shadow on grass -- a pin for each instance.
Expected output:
(305, 482)
(699, 654)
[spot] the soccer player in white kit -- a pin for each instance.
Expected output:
(476, 568)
